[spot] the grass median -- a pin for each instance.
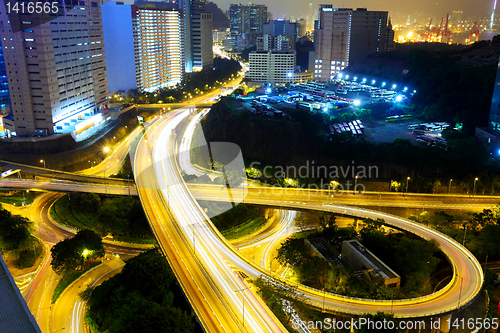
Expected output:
(62, 213)
(18, 198)
(244, 229)
(67, 279)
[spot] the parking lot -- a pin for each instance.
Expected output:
(321, 97)
(379, 131)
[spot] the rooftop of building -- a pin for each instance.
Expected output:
(375, 263)
(15, 317)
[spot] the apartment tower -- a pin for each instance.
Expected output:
(56, 70)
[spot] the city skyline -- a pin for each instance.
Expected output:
(297, 8)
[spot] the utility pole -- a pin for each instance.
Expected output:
(243, 300)
(460, 294)
(465, 231)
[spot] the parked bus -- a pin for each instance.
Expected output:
(387, 94)
(423, 138)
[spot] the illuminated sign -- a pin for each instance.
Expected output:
(9, 172)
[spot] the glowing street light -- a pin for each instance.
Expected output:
(44, 166)
(106, 149)
(383, 84)
(399, 98)
(407, 179)
(474, 189)
(356, 102)
(355, 183)
(394, 86)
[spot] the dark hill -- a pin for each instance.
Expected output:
(277, 142)
(219, 19)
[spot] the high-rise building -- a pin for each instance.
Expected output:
(265, 43)
(269, 42)
(197, 27)
(280, 28)
(56, 71)
(271, 66)
(300, 27)
(246, 22)
(143, 46)
(219, 36)
(345, 36)
(202, 41)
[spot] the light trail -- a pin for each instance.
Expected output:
(445, 300)
(493, 15)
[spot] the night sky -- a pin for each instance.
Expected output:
(426, 8)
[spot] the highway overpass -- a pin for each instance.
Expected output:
(164, 193)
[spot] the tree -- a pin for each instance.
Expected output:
(231, 178)
(238, 92)
(293, 251)
(396, 185)
(440, 220)
(15, 231)
(327, 221)
(87, 202)
(73, 253)
(139, 299)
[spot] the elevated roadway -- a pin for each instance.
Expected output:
(276, 195)
(221, 299)
(463, 288)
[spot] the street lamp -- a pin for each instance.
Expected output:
(474, 189)
(355, 184)
(449, 187)
(407, 179)
(106, 150)
(44, 166)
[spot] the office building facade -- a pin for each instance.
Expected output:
(197, 29)
(344, 36)
(56, 71)
(282, 28)
(280, 43)
(202, 53)
(246, 24)
(271, 67)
